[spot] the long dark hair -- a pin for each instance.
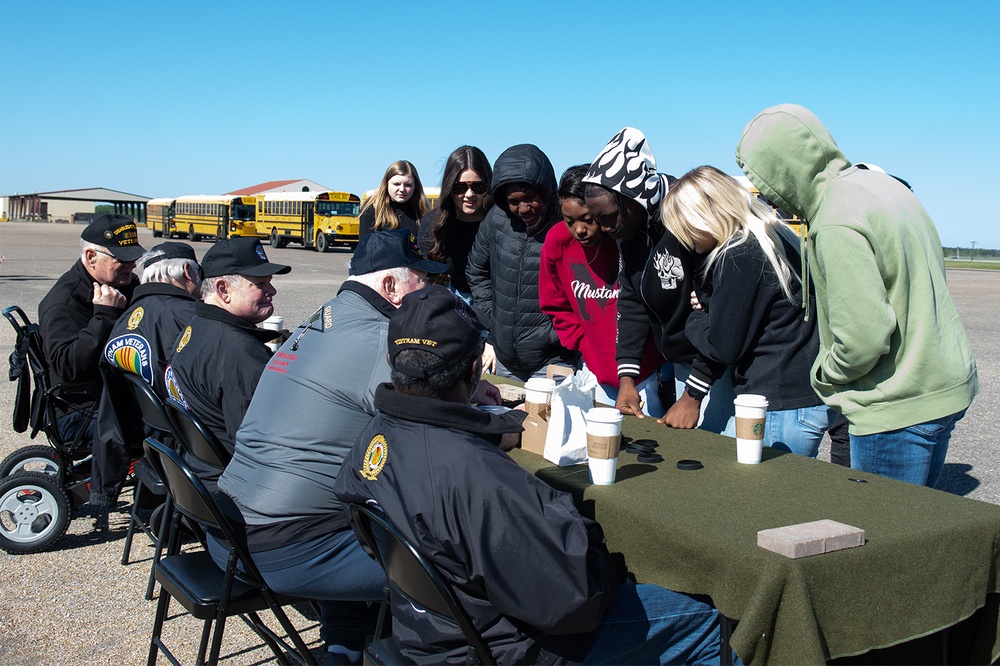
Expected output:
(461, 159)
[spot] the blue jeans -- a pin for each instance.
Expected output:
(717, 410)
(914, 454)
(331, 568)
(797, 430)
(647, 624)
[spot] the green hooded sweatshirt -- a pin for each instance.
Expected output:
(893, 352)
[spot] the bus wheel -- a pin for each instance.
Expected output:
(157, 234)
(192, 235)
(322, 244)
(276, 239)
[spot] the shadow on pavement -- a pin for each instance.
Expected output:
(955, 479)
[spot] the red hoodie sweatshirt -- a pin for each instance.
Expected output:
(578, 288)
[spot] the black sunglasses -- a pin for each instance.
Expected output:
(477, 186)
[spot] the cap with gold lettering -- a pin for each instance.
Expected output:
(435, 320)
(116, 233)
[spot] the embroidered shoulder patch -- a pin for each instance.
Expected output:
(135, 318)
(173, 390)
(131, 353)
(375, 458)
(185, 338)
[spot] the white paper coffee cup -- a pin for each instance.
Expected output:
(274, 323)
(751, 420)
(538, 390)
(604, 429)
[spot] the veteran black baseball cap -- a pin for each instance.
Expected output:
(239, 256)
(117, 234)
(395, 248)
(435, 320)
(171, 250)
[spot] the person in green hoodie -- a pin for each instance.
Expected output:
(894, 357)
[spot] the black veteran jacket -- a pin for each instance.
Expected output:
(141, 342)
(214, 371)
(533, 574)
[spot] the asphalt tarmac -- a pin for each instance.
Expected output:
(35, 255)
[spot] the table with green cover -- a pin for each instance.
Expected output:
(929, 559)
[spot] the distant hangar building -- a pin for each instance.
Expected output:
(67, 205)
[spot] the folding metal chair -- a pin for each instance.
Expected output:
(206, 591)
(418, 580)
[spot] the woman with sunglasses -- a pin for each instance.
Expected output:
(447, 233)
(398, 203)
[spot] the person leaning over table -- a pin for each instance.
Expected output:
(322, 384)
(758, 322)
(623, 194)
(80, 310)
(578, 289)
(141, 342)
(894, 357)
(219, 356)
(503, 269)
(533, 574)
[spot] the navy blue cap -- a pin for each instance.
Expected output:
(243, 255)
(393, 248)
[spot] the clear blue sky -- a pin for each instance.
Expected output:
(165, 99)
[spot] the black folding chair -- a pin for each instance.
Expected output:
(155, 418)
(195, 438)
(206, 591)
(418, 580)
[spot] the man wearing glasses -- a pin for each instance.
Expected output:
(78, 313)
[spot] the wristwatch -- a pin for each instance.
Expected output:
(697, 395)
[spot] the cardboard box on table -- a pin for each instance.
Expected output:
(536, 425)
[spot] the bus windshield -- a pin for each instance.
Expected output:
(242, 212)
(338, 208)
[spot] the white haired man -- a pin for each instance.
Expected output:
(322, 382)
(80, 310)
(141, 342)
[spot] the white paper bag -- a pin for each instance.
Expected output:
(566, 441)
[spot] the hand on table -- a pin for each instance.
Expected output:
(684, 413)
(628, 401)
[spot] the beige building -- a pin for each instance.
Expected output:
(64, 205)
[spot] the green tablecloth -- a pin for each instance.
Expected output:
(929, 560)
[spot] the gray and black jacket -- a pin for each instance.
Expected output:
(504, 266)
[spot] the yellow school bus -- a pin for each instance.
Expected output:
(203, 215)
(313, 219)
(160, 217)
(432, 196)
(797, 224)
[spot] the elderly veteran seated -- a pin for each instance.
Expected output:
(533, 574)
(311, 403)
(220, 354)
(78, 313)
(141, 342)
